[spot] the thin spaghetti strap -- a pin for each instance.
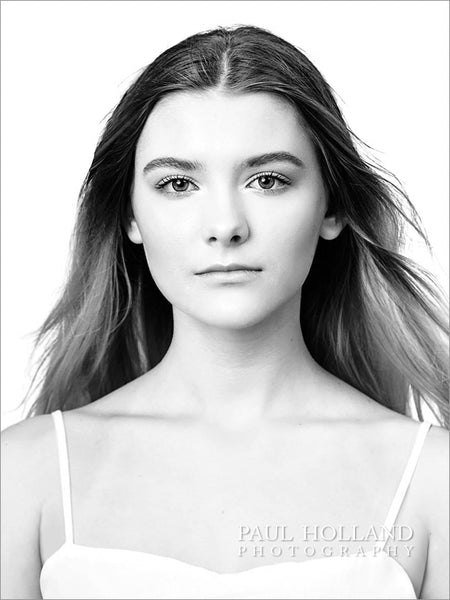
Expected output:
(64, 474)
(404, 482)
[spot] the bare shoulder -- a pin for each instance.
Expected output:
(27, 443)
(432, 485)
(28, 451)
(437, 444)
(433, 478)
(436, 447)
(432, 472)
(27, 461)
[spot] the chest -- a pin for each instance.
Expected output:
(223, 504)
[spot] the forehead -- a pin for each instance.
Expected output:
(218, 124)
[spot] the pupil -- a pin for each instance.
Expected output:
(266, 182)
(180, 185)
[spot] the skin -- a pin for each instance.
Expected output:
(237, 425)
(242, 340)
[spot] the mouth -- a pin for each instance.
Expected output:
(229, 269)
(232, 276)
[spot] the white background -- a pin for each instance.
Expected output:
(66, 64)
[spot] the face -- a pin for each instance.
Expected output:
(221, 179)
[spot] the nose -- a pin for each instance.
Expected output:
(224, 220)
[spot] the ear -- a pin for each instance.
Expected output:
(133, 232)
(331, 227)
(132, 228)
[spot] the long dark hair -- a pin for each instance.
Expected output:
(369, 315)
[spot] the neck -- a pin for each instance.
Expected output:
(234, 378)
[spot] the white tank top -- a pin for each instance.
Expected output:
(84, 572)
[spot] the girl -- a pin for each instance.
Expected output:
(230, 371)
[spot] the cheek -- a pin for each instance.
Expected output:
(305, 243)
(159, 234)
(166, 251)
(294, 246)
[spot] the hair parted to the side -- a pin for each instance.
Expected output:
(369, 315)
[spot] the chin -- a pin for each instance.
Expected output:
(233, 322)
(233, 317)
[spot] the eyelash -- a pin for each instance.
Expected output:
(280, 178)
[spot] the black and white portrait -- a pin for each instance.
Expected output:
(225, 300)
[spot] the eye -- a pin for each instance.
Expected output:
(180, 184)
(270, 181)
(176, 184)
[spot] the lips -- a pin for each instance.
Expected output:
(226, 268)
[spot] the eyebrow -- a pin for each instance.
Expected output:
(254, 161)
